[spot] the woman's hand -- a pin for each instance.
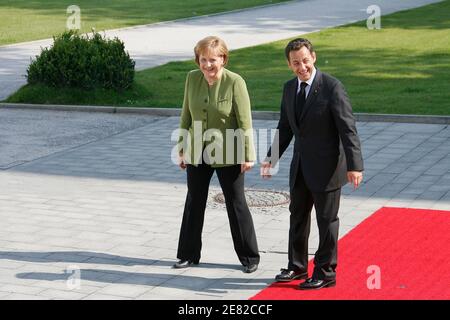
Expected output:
(181, 161)
(246, 166)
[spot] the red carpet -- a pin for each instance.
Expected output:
(411, 247)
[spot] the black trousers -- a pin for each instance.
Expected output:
(327, 207)
(241, 223)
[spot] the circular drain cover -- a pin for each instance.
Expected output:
(260, 198)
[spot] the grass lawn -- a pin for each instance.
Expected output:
(404, 68)
(24, 20)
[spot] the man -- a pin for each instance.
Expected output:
(327, 154)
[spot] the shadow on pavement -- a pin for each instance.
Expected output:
(185, 282)
(99, 258)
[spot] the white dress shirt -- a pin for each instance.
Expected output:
(309, 82)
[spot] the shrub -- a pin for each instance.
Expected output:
(83, 62)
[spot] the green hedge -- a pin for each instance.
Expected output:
(87, 62)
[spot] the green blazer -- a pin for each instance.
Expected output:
(206, 115)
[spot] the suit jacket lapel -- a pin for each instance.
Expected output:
(312, 95)
(290, 102)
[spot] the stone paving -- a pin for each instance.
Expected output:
(105, 202)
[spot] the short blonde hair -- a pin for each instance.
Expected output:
(211, 43)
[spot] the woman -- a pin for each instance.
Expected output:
(215, 101)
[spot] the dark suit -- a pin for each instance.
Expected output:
(326, 147)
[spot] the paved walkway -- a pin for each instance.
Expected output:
(105, 199)
(153, 45)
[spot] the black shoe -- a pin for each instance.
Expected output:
(250, 268)
(181, 264)
(312, 284)
(289, 275)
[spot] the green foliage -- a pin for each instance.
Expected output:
(404, 68)
(87, 62)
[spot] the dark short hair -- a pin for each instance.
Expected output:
(297, 44)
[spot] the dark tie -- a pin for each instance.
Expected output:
(300, 101)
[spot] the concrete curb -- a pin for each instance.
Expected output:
(402, 118)
(257, 115)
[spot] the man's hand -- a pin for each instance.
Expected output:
(355, 178)
(246, 166)
(265, 170)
